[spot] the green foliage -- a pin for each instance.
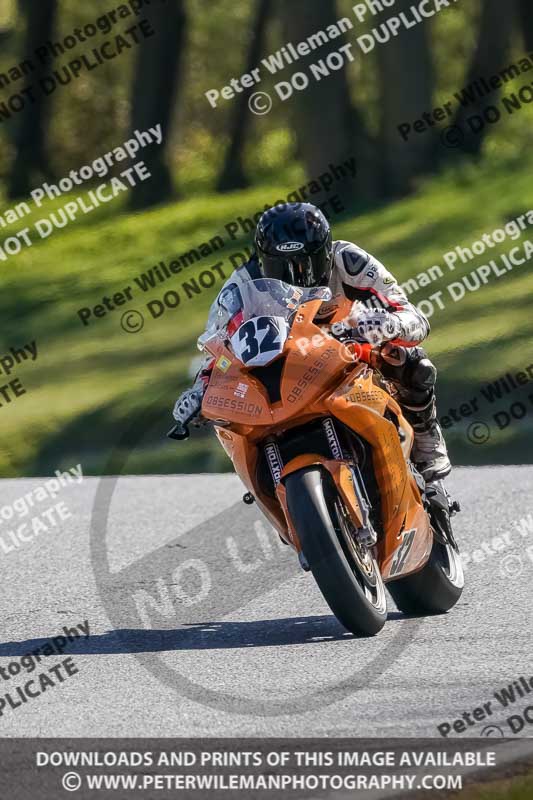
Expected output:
(90, 383)
(91, 114)
(512, 789)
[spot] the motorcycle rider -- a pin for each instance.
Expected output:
(294, 244)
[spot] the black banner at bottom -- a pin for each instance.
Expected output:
(253, 768)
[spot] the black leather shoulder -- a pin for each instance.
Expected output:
(354, 259)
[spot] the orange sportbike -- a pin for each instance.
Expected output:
(321, 445)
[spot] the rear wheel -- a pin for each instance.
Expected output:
(346, 571)
(436, 588)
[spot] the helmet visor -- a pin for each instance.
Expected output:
(298, 269)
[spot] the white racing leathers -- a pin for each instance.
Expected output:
(355, 275)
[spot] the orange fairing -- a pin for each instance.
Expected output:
(312, 361)
(360, 404)
(318, 379)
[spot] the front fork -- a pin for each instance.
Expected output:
(346, 477)
(365, 532)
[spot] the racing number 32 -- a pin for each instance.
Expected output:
(259, 335)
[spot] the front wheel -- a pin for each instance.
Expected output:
(346, 572)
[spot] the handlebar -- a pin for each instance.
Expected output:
(179, 432)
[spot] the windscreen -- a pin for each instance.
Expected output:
(260, 314)
(267, 297)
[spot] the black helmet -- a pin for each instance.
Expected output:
(294, 245)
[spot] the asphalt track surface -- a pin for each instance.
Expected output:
(201, 625)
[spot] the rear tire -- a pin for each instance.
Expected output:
(347, 573)
(436, 588)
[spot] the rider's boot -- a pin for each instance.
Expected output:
(429, 453)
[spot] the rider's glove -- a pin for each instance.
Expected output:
(377, 325)
(188, 406)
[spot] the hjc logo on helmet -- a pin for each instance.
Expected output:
(290, 247)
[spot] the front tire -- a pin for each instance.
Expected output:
(346, 572)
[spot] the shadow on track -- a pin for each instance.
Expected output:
(202, 636)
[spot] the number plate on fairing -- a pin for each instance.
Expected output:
(260, 340)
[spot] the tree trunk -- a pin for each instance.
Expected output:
(154, 94)
(491, 54)
(233, 175)
(525, 10)
(328, 129)
(406, 82)
(31, 161)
